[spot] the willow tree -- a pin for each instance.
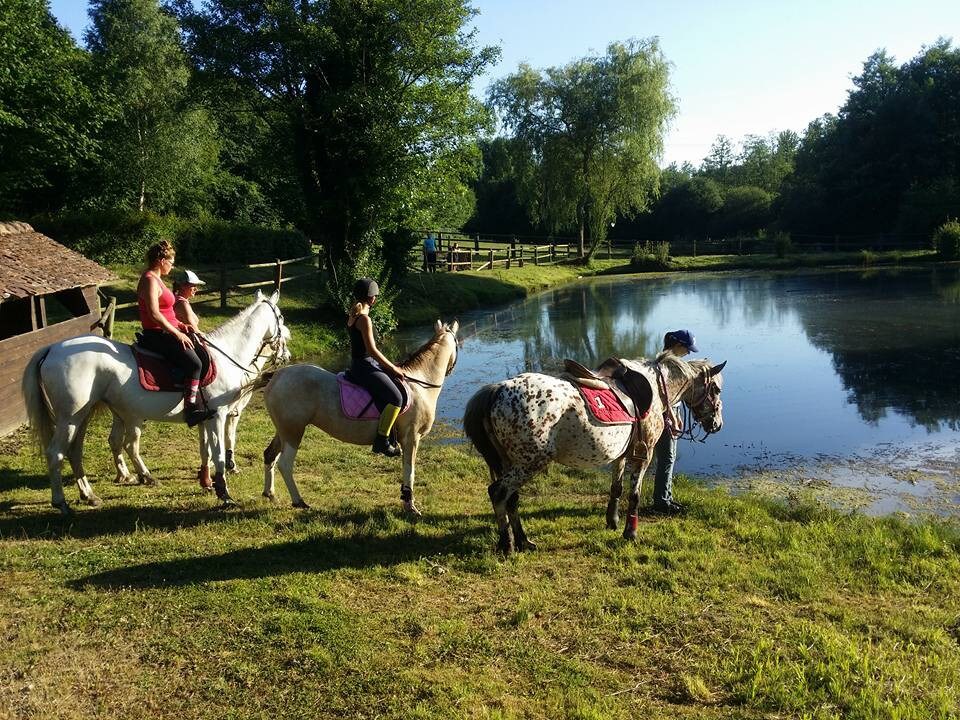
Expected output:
(590, 135)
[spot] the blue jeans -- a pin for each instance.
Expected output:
(666, 454)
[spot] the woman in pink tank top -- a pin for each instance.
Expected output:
(163, 333)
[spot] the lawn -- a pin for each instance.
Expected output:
(156, 605)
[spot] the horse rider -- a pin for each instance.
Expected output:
(370, 368)
(163, 333)
(184, 288)
(678, 343)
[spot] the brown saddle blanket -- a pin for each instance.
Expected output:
(632, 388)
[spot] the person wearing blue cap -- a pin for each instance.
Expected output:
(679, 343)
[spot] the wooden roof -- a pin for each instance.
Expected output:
(33, 264)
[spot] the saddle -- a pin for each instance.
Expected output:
(357, 403)
(630, 388)
(158, 375)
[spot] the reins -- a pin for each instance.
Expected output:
(434, 386)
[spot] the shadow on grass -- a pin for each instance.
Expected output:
(13, 479)
(316, 554)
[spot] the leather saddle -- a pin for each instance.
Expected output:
(157, 374)
(632, 388)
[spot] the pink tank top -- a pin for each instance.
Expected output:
(166, 309)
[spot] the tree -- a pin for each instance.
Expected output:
(158, 149)
(589, 136)
(372, 102)
(745, 209)
(47, 110)
(719, 161)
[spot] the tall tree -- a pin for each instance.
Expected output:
(47, 110)
(590, 134)
(371, 96)
(159, 151)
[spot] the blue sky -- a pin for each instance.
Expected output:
(739, 67)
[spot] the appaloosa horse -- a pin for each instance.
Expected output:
(302, 395)
(523, 424)
(65, 381)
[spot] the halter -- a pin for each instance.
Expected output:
(456, 355)
(687, 428)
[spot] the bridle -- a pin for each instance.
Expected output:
(702, 411)
(276, 343)
(450, 367)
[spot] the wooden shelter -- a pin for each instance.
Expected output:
(47, 293)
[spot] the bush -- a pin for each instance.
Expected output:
(782, 244)
(651, 256)
(117, 236)
(946, 240)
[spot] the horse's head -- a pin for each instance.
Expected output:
(442, 332)
(276, 334)
(703, 395)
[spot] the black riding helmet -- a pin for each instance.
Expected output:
(365, 288)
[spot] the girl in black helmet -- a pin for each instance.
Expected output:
(370, 367)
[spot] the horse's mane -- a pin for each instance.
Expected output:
(238, 319)
(417, 358)
(678, 368)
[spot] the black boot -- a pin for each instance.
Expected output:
(382, 445)
(195, 415)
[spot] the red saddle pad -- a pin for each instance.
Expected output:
(156, 373)
(605, 406)
(356, 402)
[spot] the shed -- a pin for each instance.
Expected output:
(47, 293)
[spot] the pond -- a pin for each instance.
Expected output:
(839, 380)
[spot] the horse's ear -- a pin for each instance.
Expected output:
(455, 327)
(275, 297)
(438, 328)
(717, 369)
(259, 296)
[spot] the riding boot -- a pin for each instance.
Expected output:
(382, 444)
(194, 415)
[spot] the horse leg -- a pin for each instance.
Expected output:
(406, 488)
(214, 430)
(287, 457)
(131, 441)
(56, 452)
(520, 539)
(636, 482)
(203, 474)
(233, 419)
(616, 490)
(270, 454)
(116, 450)
(499, 495)
(76, 462)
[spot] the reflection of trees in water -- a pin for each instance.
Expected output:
(893, 343)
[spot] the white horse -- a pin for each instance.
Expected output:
(302, 395)
(65, 381)
(523, 424)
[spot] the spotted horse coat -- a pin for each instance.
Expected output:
(522, 424)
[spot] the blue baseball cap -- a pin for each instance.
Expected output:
(683, 337)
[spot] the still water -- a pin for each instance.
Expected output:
(846, 378)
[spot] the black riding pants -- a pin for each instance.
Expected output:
(367, 373)
(160, 341)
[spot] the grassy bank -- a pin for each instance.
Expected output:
(154, 605)
(705, 263)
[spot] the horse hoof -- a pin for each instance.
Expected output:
(412, 512)
(226, 504)
(93, 501)
(505, 544)
(269, 496)
(613, 523)
(630, 534)
(146, 480)
(64, 508)
(526, 545)
(301, 505)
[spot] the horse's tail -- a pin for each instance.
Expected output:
(476, 427)
(38, 412)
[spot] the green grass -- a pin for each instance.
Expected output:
(154, 605)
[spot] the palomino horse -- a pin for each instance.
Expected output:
(65, 381)
(523, 424)
(302, 395)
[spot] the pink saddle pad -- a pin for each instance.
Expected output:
(605, 406)
(356, 402)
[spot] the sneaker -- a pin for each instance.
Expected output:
(669, 508)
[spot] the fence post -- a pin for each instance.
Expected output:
(223, 286)
(108, 320)
(536, 254)
(513, 247)
(520, 264)
(277, 274)
(553, 249)
(694, 245)
(491, 258)
(476, 243)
